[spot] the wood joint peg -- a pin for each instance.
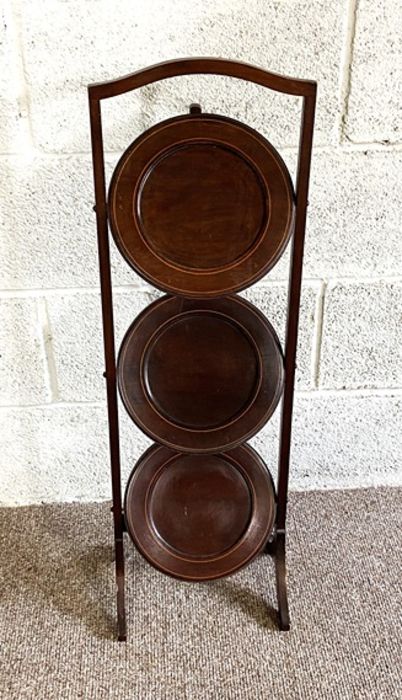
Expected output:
(195, 108)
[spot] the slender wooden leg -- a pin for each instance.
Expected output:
(281, 587)
(292, 326)
(121, 613)
(109, 352)
(275, 547)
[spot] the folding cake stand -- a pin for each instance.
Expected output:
(201, 206)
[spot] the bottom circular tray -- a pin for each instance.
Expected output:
(199, 517)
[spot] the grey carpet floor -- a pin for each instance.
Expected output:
(214, 640)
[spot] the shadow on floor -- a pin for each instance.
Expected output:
(62, 557)
(246, 600)
(55, 558)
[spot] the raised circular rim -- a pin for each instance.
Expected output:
(139, 189)
(138, 495)
(175, 133)
(239, 428)
(171, 322)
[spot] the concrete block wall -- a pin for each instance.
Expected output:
(53, 438)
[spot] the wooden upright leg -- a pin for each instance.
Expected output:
(109, 352)
(281, 584)
(276, 548)
(121, 613)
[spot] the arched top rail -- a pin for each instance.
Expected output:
(194, 66)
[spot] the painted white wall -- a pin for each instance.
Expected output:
(53, 443)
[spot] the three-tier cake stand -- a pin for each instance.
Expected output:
(201, 206)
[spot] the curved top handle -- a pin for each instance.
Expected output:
(212, 66)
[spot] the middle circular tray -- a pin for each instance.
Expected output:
(200, 375)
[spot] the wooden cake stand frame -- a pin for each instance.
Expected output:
(304, 89)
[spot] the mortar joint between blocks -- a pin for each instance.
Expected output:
(48, 350)
(24, 99)
(317, 338)
(346, 68)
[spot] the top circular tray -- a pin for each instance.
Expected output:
(201, 205)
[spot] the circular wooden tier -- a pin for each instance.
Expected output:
(199, 517)
(200, 375)
(201, 205)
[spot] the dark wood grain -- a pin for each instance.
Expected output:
(202, 65)
(201, 205)
(222, 191)
(109, 354)
(199, 517)
(237, 228)
(201, 370)
(200, 375)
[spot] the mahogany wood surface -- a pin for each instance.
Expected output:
(199, 517)
(109, 354)
(154, 198)
(200, 375)
(203, 65)
(201, 205)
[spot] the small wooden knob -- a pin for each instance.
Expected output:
(195, 108)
